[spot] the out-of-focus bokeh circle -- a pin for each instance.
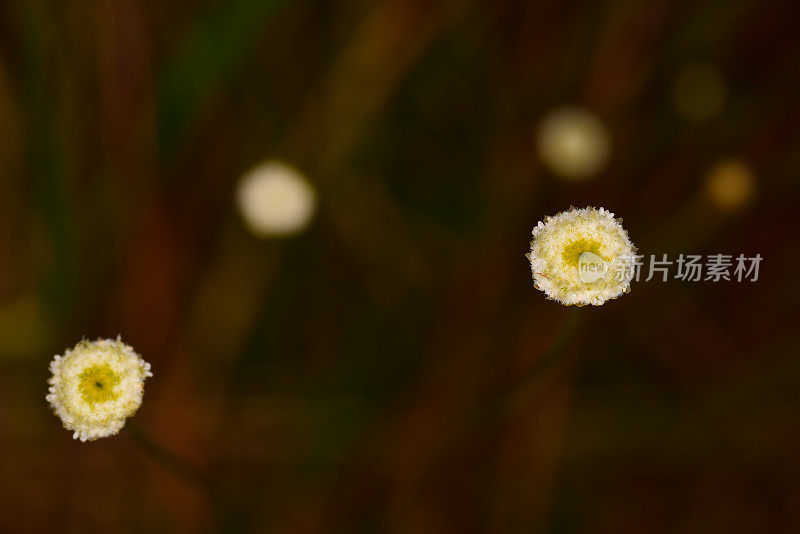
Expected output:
(699, 92)
(275, 199)
(730, 184)
(573, 143)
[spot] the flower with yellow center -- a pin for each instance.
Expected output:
(97, 385)
(581, 256)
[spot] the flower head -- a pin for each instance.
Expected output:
(97, 385)
(580, 256)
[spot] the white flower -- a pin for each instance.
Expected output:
(95, 386)
(573, 143)
(580, 256)
(275, 199)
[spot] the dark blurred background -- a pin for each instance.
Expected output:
(392, 368)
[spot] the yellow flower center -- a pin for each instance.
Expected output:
(572, 252)
(98, 382)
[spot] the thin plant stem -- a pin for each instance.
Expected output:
(508, 395)
(554, 353)
(167, 458)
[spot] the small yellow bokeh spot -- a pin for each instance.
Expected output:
(730, 184)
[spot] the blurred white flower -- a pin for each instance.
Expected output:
(730, 184)
(699, 92)
(97, 385)
(573, 143)
(275, 199)
(579, 257)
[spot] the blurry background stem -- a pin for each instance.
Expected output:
(167, 458)
(563, 341)
(516, 393)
